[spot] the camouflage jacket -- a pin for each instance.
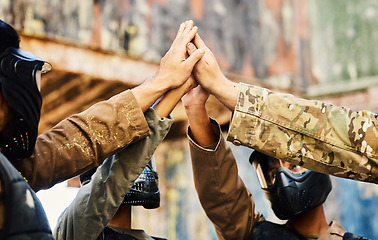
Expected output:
(319, 136)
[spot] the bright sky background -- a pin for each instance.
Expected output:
(55, 200)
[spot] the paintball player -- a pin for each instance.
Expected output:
(318, 136)
(102, 206)
(73, 146)
(296, 194)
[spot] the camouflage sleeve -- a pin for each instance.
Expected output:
(319, 136)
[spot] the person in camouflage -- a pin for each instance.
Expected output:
(318, 136)
(296, 194)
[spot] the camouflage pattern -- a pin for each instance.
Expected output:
(310, 133)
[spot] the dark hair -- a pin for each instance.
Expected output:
(257, 157)
(8, 37)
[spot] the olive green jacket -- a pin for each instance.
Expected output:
(98, 201)
(319, 136)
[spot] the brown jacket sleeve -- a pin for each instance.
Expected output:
(84, 140)
(222, 193)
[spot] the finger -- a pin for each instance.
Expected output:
(191, 34)
(180, 31)
(189, 26)
(199, 42)
(187, 37)
(194, 57)
(182, 27)
(191, 48)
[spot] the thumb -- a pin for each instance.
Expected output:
(191, 48)
(194, 57)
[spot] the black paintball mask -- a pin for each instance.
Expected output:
(292, 190)
(145, 190)
(20, 74)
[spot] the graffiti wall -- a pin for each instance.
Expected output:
(285, 43)
(255, 38)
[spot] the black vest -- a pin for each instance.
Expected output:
(267, 230)
(110, 234)
(24, 217)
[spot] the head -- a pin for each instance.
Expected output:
(20, 74)
(144, 192)
(291, 189)
(8, 37)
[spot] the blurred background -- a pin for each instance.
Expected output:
(316, 49)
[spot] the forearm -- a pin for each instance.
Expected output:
(226, 92)
(98, 201)
(149, 92)
(319, 136)
(170, 99)
(222, 193)
(200, 125)
(84, 140)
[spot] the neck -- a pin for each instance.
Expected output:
(312, 222)
(122, 218)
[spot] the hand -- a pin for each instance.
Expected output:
(209, 75)
(207, 71)
(199, 121)
(175, 67)
(196, 97)
(174, 70)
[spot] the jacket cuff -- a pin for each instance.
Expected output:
(213, 147)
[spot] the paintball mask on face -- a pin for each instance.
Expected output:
(145, 190)
(291, 189)
(20, 74)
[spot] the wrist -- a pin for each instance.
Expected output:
(227, 93)
(148, 93)
(158, 84)
(195, 107)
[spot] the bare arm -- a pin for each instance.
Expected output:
(199, 121)
(168, 102)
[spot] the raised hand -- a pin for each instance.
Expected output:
(195, 98)
(174, 70)
(209, 75)
(199, 121)
(175, 67)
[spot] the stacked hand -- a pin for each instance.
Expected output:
(209, 75)
(174, 70)
(175, 66)
(187, 57)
